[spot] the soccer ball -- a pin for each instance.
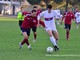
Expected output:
(49, 50)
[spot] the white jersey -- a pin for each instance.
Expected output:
(77, 15)
(49, 19)
(58, 11)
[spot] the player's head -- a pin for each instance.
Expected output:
(49, 7)
(77, 9)
(69, 9)
(21, 8)
(35, 7)
(33, 13)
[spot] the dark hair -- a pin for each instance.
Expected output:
(21, 7)
(34, 6)
(33, 11)
(49, 6)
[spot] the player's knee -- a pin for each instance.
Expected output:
(26, 37)
(67, 29)
(50, 35)
(34, 32)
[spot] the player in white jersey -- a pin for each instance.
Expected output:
(77, 16)
(50, 27)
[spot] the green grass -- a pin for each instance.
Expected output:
(10, 36)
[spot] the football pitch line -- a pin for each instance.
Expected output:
(63, 55)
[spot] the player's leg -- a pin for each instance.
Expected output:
(42, 23)
(25, 39)
(34, 29)
(20, 23)
(52, 39)
(67, 27)
(55, 33)
(76, 23)
(67, 33)
(26, 34)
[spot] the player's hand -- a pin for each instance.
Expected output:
(38, 25)
(45, 28)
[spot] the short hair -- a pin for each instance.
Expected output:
(33, 11)
(21, 7)
(49, 6)
(34, 6)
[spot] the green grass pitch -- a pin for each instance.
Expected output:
(10, 36)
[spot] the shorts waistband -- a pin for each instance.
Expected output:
(48, 19)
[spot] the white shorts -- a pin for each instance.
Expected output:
(77, 20)
(50, 25)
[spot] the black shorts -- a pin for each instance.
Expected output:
(34, 29)
(67, 26)
(26, 30)
(20, 22)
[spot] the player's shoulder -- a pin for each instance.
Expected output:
(44, 11)
(54, 11)
(28, 15)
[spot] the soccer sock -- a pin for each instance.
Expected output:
(56, 41)
(27, 42)
(42, 23)
(52, 39)
(67, 34)
(35, 35)
(23, 42)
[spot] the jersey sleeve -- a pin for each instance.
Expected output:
(56, 14)
(73, 16)
(40, 15)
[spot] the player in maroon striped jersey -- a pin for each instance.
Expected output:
(27, 24)
(68, 17)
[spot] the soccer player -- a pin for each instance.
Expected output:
(77, 16)
(34, 28)
(20, 16)
(50, 27)
(68, 17)
(38, 12)
(27, 24)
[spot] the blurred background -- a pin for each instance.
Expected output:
(12, 7)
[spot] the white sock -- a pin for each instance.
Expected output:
(52, 39)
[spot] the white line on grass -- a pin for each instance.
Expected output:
(63, 55)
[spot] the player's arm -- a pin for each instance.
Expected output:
(58, 15)
(73, 17)
(63, 18)
(39, 17)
